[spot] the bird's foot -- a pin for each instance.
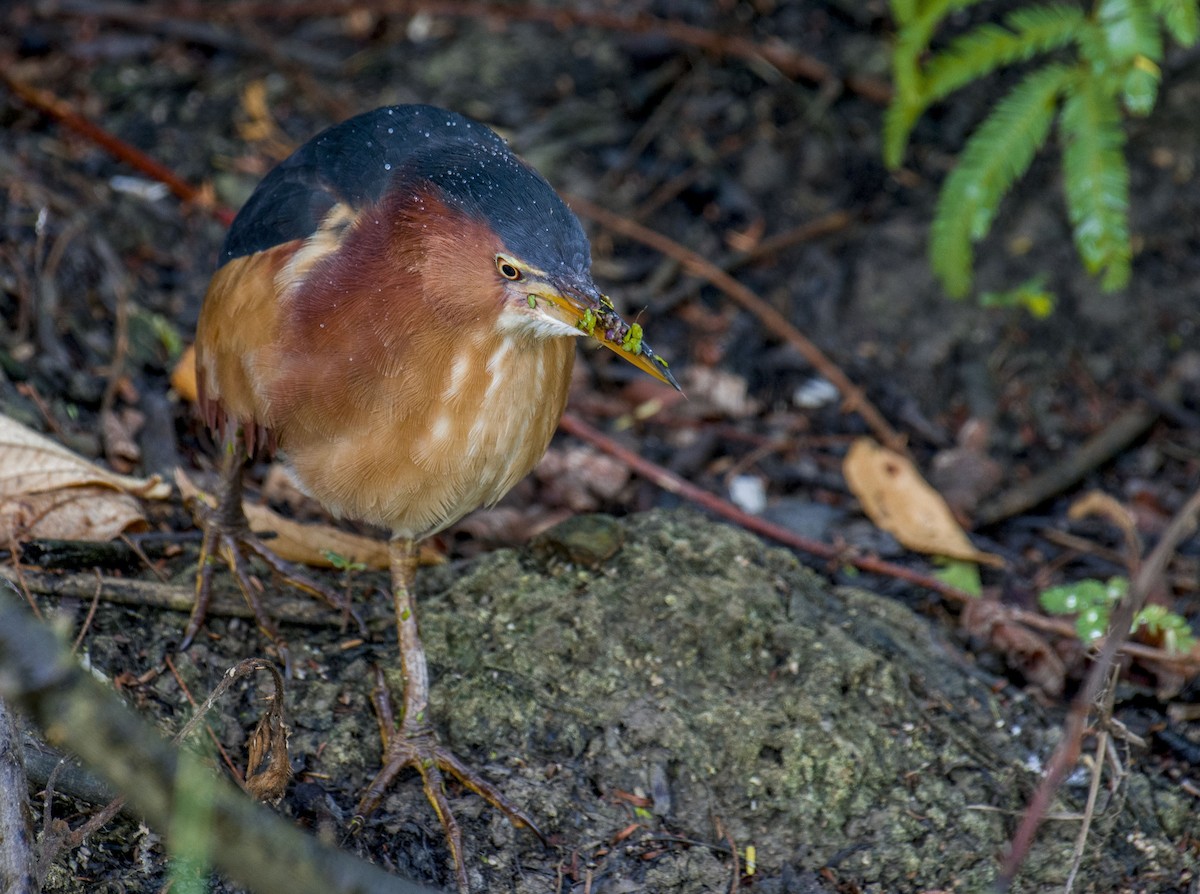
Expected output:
(231, 542)
(415, 745)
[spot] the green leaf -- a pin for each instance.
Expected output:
(1096, 179)
(1075, 597)
(1140, 90)
(997, 153)
(1181, 19)
(1032, 295)
(1173, 629)
(904, 11)
(1129, 30)
(963, 575)
(918, 21)
(1026, 33)
(1092, 623)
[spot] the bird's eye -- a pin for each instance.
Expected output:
(507, 268)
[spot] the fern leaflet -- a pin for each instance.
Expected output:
(997, 153)
(1181, 19)
(1096, 179)
(980, 51)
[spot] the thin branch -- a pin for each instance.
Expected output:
(775, 322)
(1067, 753)
(252, 846)
(61, 111)
(1092, 453)
(774, 52)
(672, 483)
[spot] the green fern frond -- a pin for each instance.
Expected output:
(1025, 34)
(1181, 18)
(1096, 178)
(997, 153)
(898, 122)
(904, 11)
(1128, 30)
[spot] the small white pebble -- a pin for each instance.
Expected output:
(814, 393)
(748, 493)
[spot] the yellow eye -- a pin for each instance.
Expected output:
(507, 268)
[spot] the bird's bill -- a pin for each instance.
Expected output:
(600, 320)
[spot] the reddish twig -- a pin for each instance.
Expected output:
(183, 687)
(60, 111)
(773, 51)
(779, 325)
(1069, 747)
(674, 484)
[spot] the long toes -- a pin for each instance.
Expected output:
(450, 763)
(435, 793)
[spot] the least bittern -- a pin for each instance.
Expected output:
(395, 310)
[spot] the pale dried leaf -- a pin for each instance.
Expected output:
(311, 544)
(74, 513)
(899, 501)
(714, 391)
(1100, 504)
(183, 376)
(307, 544)
(31, 463)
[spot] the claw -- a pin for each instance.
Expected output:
(228, 539)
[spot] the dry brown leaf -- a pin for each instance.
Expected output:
(1102, 505)
(899, 501)
(1025, 650)
(119, 431)
(73, 513)
(580, 478)
(267, 767)
(307, 544)
(31, 463)
(183, 376)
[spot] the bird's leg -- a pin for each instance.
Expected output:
(413, 743)
(227, 537)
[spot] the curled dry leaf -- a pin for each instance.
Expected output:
(183, 376)
(47, 491)
(899, 501)
(73, 513)
(31, 463)
(1025, 650)
(267, 767)
(119, 431)
(1097, 503)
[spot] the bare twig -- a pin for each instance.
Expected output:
(1094, 452)
(774, 52)
(775, 322)
(255, 848)
(1089, 810)
(674, 484)
(18, 865)
(1067, 753)
(60, 111)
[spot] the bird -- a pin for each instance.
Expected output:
(395, 312)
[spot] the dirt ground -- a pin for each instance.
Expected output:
(697, 691)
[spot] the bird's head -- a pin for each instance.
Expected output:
(557, 305)
(497, 211)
